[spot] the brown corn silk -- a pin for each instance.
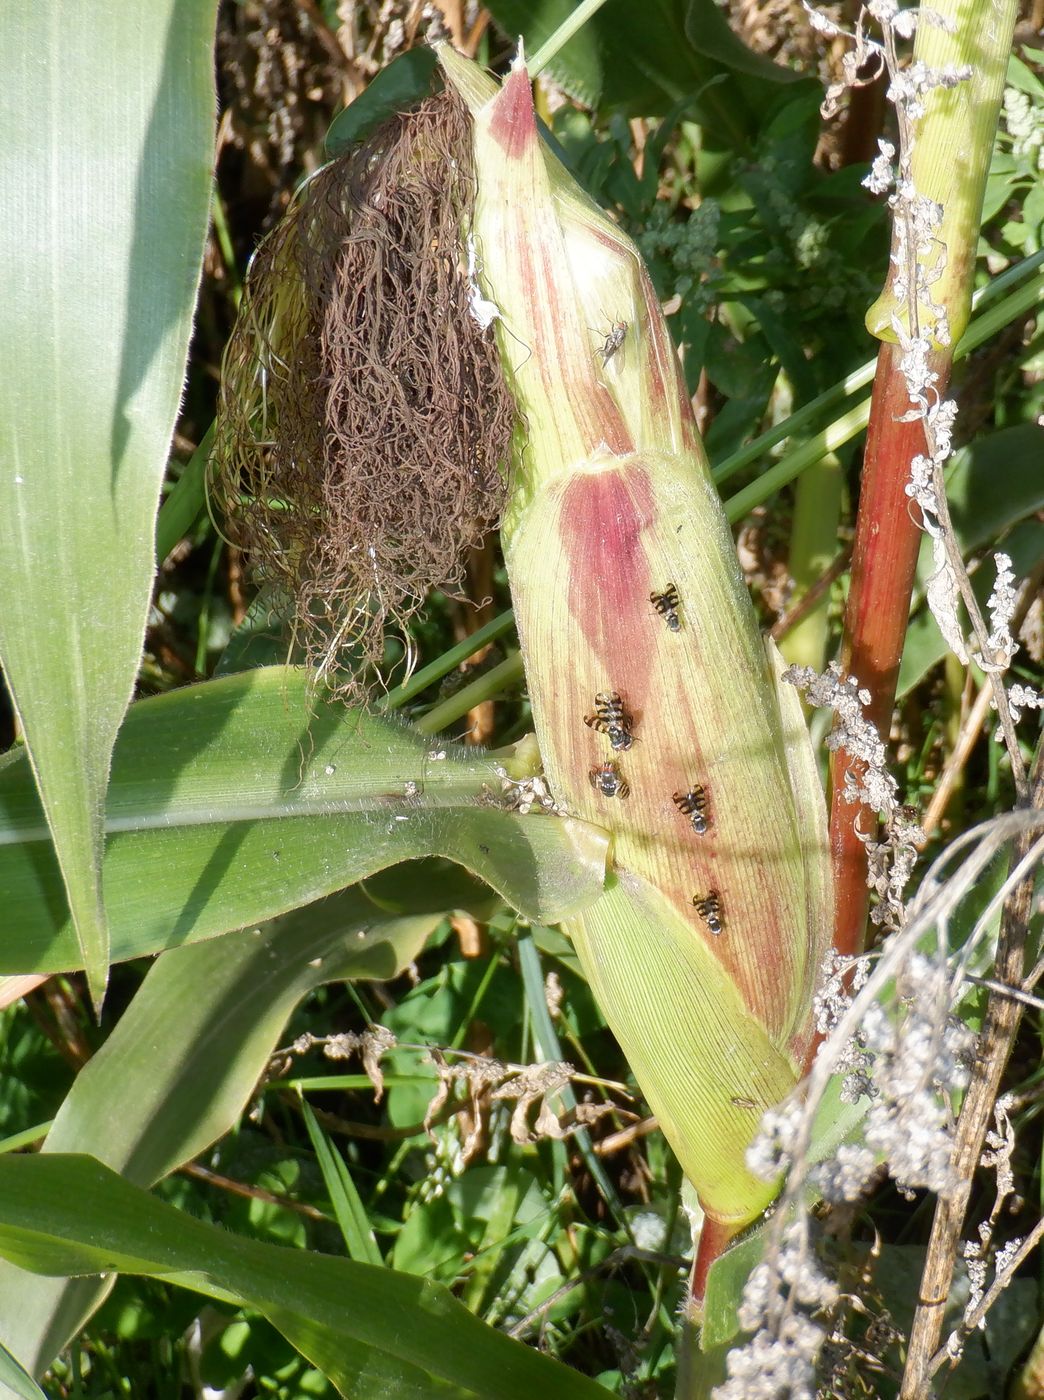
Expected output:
(363, 423)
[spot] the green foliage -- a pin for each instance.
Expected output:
(240, 811)
(106, 201)
(249, 796)
(71, 1215)
(1013, 189)
(406, 80)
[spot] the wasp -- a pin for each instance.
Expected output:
(709, 908)
(666, 604)
(607, 780)
(611, 719)
(613, 341)
(693, 804)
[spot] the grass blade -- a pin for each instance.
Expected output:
(344, 1197)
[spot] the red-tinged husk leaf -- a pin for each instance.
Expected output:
(613, 503)
(704, 710)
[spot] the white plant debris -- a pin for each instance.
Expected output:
(888, 1018)
(867, 781)
(487, 1081)
(1024, 119)
(370, 1045)
(484, 311)
(921, 1054)
(554, 995)
(523, 795)
(872, 784)
(1001, 608)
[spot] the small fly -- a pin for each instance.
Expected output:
(611, 719)
(607, 780)
(693, 804)
(612, 342)
(709, 908)
(666, 604)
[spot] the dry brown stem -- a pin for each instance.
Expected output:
(1003, 1014)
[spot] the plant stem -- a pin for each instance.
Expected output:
(884, 562)
(441, 716)
(562, 35)
(813, 545)
(1003, 1014)
(835, 435)
(442, 665)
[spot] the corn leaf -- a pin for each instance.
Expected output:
(17, 1380)
(234, 801)
(108, 120)
(71, 1214)
(182, 1063)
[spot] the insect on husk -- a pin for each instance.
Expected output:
(611, 719)
(693, 804)
(607, 780)
(666, 604)
(613, 341)
(709, 908)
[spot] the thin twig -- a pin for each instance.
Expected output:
(626, 1137)
(972, 1319)
(995, 677)
(1003, 1014)
(940, 894)
(1004, 989)
(625, 1254)
(966, 741)
(248, 1192)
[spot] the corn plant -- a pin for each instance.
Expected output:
(450, 373)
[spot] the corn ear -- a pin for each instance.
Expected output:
(612, 503)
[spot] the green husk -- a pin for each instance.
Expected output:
(612, 502)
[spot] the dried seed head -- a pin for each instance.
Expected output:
(364, 426)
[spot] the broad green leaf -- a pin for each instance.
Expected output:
(406, 80)
(186, 501)
(233, 801)
(372, 1331)
(182, 1063)
(108, 120)
(710, 34)
(262, 638)
(725, 1283)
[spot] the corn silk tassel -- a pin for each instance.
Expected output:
(697, 761)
